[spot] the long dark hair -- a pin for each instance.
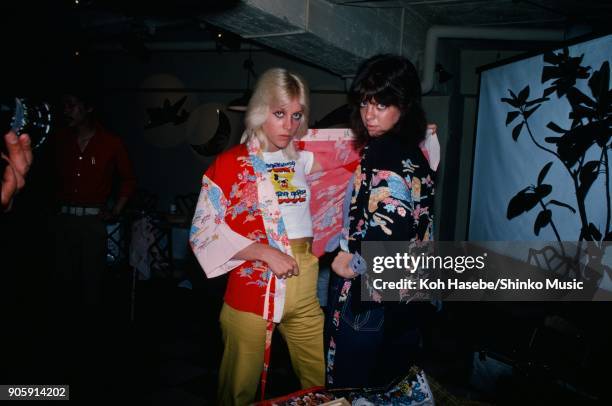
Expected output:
(391, 80)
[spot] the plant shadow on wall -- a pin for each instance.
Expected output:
(591, 120)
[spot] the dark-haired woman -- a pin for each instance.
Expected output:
(391, 200)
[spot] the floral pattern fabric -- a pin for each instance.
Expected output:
(333, 150)
(392, 197)
(411, 390)
(392, 200)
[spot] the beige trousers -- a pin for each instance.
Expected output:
(244, 336)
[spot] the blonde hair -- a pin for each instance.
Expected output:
(275, 87)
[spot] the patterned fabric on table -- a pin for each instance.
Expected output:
(410, 390)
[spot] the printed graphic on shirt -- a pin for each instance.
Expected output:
(282, 174)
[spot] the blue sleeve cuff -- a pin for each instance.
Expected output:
(333, 243)
(358, 264)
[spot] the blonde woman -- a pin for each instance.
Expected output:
(253, 222)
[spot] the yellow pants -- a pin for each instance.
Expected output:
(244, 336)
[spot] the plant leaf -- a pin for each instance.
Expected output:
(558, 203)
(543, 190)
(599, 81)
(587, 176)
(603, 133)
(581, 112)
(523, 95)
(549, 90)
(511, 102)
(536, 101)
(511, 116)
(522, 202)
(551, 58)
(553, 140)
(517, 131)
(550, 72)
(542, 220)
(588, 169)
(543, 172)
(530, 112)
(574, 143)
(555, 128)
(576, 98)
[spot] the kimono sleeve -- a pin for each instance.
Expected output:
(213, 242)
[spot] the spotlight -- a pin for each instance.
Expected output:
(225, 39)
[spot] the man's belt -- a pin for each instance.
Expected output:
(80, 210)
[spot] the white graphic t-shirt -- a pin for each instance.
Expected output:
(289, 179)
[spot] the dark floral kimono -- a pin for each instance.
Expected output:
(393, 195)
(392, 200)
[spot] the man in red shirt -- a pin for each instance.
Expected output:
(88, 160)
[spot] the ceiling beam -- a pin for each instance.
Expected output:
(331, 36)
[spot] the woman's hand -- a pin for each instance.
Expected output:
(282, 265)
(341, 267)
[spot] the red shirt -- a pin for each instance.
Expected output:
(86, 178)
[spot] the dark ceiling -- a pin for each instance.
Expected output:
(511, 13)
(39, 38)
(63, 25)
(44, 26)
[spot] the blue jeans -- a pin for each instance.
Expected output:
(375, 345)
(323, 285)
(358, 340)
